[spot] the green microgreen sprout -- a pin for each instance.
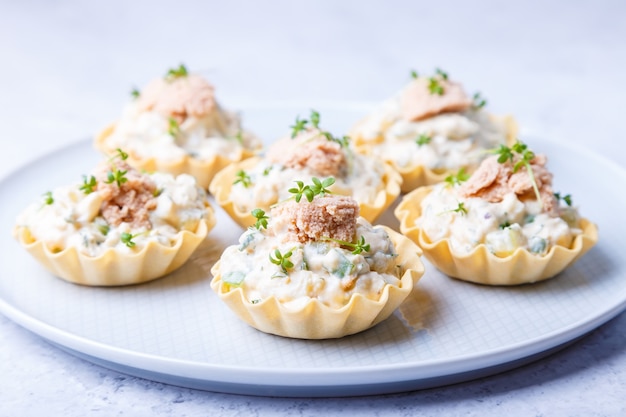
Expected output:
(301, 125)
(174, 73)
(135, 93)
(48, 199)
(119, 154)
(298, 126)
(441, 73)
(505, 225)
(414, 74)
(478, 101)
(282, 260)
(457, 179)
(359, 247)
(524, 156)
(267, 170)
(119, 177)
(435, 87)
(89, 184)
(127, 239)
(423, 139)
(104, 229)
(173, 128)
(566, 198)
(261, 218)
(242, 178)
(310, 191)
(461, 209)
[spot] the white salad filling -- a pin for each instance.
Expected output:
(503, 227)
(454, 140)
(268, 183)
(318, 268)
(67, 217)
(149, 134)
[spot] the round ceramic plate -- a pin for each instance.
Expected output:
(175, 330)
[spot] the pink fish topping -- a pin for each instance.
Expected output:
(493, 180)
(418, 102)
(178, 97)
(130, 201)
(325, 217)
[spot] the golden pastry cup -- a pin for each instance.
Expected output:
(316, 320)
(115, 268)
(418, 175)
(202, 170)
(480, 265)
(222, 184)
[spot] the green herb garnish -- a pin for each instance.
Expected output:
(48, 199)
(414, 74)
(89, 184)
(127, 239)
(505, 225)
(173, 127)
(356, 248)
(442, 74)
(261, 218)
(456, 179)
(242, 178)
(310, 191)
(282, 260)
(298, 126)
(119, 177)
(135, 93)
(423, 139)
(566, 198)
(460, 209)
(435, 87)
(479, 101)
(301, 125)
(179, 72)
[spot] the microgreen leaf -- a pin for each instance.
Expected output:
(135, 93)
(173, 73)
(298, 126)
(479, 101)
(89, 184)
(118, 177)
(505, 225)
(173, 127)
(261, 218)
(282, 260)
(414, 74)
(242, 178)
(434, 87)
(442, 74)
(315, 119)
(456, 179)
(127, 239)
(423, 139)
(359, 247)
(320, 187)
(48, 199)
(460, 209)
(566, 198)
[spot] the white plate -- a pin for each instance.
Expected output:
(175, 330)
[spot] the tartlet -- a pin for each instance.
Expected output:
(175, 125)
(119, 227)
(492, 229)
(430, 129)
(261, 182)
(317, 271)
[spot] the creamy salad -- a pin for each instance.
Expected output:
(311, 152)
(177, 116)
(116, 207)
(503, 207)
(431, 122)
(312, 250)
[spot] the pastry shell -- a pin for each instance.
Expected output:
(316, 320)
(202, 170)
(115, 268)
(222, 184)
(480, 265)
(418, 175)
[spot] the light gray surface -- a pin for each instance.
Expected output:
(67, 67)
